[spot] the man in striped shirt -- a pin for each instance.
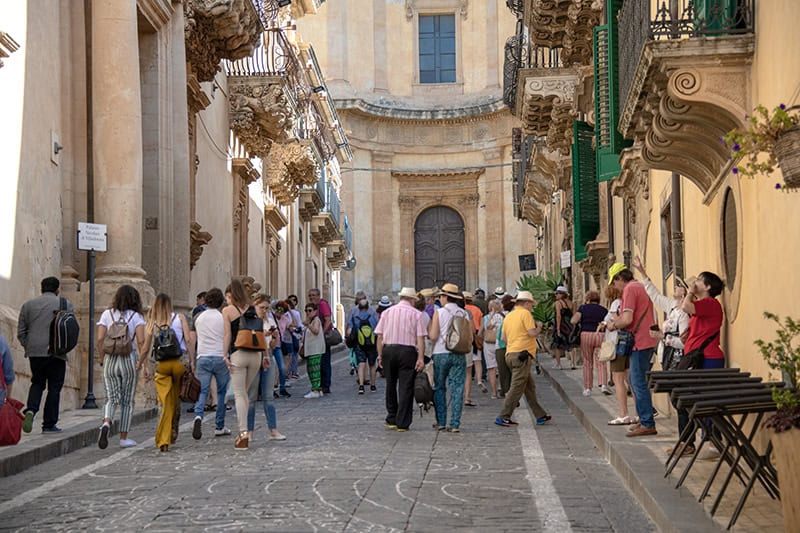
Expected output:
(401, 335)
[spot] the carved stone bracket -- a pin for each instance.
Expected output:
(336, 253)
(274, 217)
(324, 229)
(218, 29)
(260, 112)
(310, 203)
(199, 238)
(240, 208)
(244, 168)
(686, 94)
(565, 24)
(633, 186)
(547, 105)
(287, 169)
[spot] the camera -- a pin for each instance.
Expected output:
(524, 356)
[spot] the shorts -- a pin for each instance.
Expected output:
(476, 355)
(620, 364)
(370, 355)
(468, 359)
(490, 354)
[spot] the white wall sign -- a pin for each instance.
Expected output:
(92, 237)
(566, 259)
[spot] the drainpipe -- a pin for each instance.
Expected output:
(675, 222)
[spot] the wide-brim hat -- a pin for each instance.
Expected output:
(385, 302)
(615, 269)
(451, 290)
(407, 292)
(524, 296)
(499, 292)
(427, 293)
(467, 295)
(562, 288)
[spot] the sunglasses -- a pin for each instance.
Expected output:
(310, 310)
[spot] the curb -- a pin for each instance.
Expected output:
(77, 438)
(642, 473)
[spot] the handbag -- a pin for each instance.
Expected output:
(10, 417)
(694, 359)
(190, 387)
(251, 332)
(489, 333)
(626, 339)
(608, 351)
(332, 337)
(574, 338)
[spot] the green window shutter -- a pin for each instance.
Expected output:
(607, 102)
(585, 196)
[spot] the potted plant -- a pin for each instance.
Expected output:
(775, 133)
(783, 354)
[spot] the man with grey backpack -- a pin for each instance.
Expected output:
(451, 333)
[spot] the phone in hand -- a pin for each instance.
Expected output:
(679, 281)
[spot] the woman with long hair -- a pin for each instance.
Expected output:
(245, 364)
(169, 368)
(564, 308)
(267, 375)
(119, 371)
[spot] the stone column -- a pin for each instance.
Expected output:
(117, 138)
(493, 251)
(382, 206)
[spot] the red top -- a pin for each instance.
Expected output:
(324, 309)
(636, 300)
(706, 321)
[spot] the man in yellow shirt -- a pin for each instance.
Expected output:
(520, 332)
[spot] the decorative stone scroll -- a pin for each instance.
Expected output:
(199, 238)
(633, 186)
(260, 113)
(287, 168)
(582, 17)
(686, 94)
(548, 105)
(218, 29)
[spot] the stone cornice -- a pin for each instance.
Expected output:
(243, 168)
(421, 177)
(275, 217)
(400, 112)
(197, 98)
(157, 12)
(435, 6)
(217, 30)
(260, 113)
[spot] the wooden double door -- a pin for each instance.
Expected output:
(439, 248)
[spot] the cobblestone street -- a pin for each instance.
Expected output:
(339, 470)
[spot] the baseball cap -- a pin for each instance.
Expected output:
(615, 269)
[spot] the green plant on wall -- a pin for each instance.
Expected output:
(783, 354)
(543, 288)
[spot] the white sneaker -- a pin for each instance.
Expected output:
(313, 394)
(587, 392)
(127, 443)
(222, 432)
(605, 390)
(277, 436)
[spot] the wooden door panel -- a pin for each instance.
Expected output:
(439, 248)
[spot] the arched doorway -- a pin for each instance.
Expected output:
(439, 248)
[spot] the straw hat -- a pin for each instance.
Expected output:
(427, 293)
(407, 292)
(451, 290)
(467, 295)
(524, 296)
(499, 292)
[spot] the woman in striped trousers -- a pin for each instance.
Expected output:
(589, 316)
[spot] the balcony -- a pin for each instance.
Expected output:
(336, 253)
(565, 24)
(325, 226)
(312, 199)
(684, 80)
(275, 217)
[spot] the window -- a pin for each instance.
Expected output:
(666, 240)
(437, 48)
(730, 237)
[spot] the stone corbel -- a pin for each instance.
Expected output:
(260, 113)
(243, 167)
(218, 29)
(633, 186)
(547, 20)
(287, 168)
(548, 105)
(582, 17)
(199, 239)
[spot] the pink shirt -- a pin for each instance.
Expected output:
(401, 324)
(325, 310)
(636, 300)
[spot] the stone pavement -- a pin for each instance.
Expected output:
(640, 463)
(340, 470)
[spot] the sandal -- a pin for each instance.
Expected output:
(620, 421)
(470, 403)
(483, 387)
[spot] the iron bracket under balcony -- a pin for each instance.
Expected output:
(684, 96)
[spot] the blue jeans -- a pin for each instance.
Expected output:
(265, 385)
(449, 371)
(207, 367)
(277, 359)
(640, 364)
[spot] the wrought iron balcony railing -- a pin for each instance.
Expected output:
(520, 54)
(516, 6)
(332, 205)
(348, 234)
(676, 19)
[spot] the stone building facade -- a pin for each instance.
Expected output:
(619, 149)
(198, 132)
(428, 193)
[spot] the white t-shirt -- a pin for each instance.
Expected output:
(613, 309)
(314, 344)
(446, 314)
(133, 319)
(210, 328)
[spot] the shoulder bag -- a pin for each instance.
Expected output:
(10, 417)
(694, 359)
(190, 387)
(626, 339)
(251, 332)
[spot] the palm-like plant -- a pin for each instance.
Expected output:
(543, 289)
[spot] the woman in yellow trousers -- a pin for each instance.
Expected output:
(165, 340)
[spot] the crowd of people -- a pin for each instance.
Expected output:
(243, 347)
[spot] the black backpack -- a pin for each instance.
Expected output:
(423, 392)
(64, 330)
(165, 343)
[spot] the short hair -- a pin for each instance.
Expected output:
(214, 298)
(713, 282)
(239, 296)
(202, 295)
(282, 305)
(593, 297)
(315, 291)
(127, 299)
(625, 275)
(419, 303)
(312, 305)
(50, 284)
(507, 302)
